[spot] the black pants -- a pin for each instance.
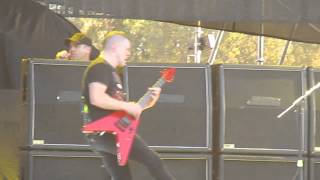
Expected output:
(140, 152)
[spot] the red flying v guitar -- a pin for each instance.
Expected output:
(123, 125)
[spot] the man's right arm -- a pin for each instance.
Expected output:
(99, 98)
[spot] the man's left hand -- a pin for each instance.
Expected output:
(155, 94)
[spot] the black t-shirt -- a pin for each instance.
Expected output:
(101, 71)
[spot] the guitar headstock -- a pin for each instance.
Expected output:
(168, 74)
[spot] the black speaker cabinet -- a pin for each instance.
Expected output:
(314, 104)
(237, 167)
(314, 168)
(181, 120)
(74, 165)
(247, 100)
(58, 165)
(52, 94)
(182, 166)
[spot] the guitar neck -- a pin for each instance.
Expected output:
(146, 98)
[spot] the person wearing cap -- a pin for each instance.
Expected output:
(80, 48)
(103, 94)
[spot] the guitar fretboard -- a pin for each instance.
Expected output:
(146, 98)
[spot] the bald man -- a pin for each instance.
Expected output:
(103, 94)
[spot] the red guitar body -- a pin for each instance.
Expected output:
(123, 126)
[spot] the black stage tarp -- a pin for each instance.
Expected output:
(28, 29)
(297, 20)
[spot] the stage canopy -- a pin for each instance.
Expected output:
(297, 20)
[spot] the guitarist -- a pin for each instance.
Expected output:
(103, 94)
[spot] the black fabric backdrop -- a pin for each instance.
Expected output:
(28, 29)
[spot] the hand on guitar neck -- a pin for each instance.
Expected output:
(155, 94)
(135, 109)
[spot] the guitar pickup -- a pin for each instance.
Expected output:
(123, 123)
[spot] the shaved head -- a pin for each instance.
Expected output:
(115, 40)
(117, 49)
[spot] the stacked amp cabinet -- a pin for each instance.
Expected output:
(181, 120)
(85, 165)
(51, 96)
(250, 142)
(314, 100)
(179, 127)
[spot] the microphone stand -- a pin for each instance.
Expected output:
(307, 93)
(301, 130)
